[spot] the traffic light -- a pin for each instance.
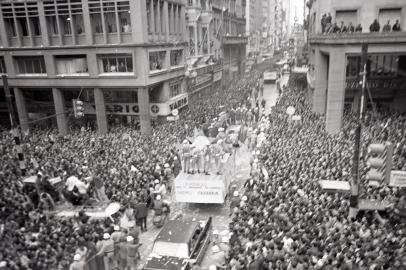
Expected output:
(78, 109)
(379, 163)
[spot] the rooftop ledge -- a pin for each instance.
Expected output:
(358, 38)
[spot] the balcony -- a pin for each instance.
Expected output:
(231, 40)
(193, 11)
(206, 16)
(358, 38)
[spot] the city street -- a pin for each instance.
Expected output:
(271, 93)
(219, 213)
(116, 114)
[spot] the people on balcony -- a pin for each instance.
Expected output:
(396, 26)
(326, 23)
(374, 27)
(350, 28)
(386, 27)
(343, 28)
(358, 29)
(323, 23)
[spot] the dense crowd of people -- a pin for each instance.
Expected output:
(123, 166)
(283, 220)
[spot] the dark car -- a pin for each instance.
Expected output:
(179, 244)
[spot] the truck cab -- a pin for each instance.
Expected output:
(179, 244)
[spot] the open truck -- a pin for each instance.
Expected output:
(208, 189)
(201, 188)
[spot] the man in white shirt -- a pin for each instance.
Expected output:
(73, 181)
(78, 195)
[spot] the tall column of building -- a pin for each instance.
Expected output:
(86, 22)
(355, 102)
(43, 24)
(166, 19)
(320, 84)
(59, 103)
(139, 14)
(336, 91)
(21, 108)
(196, 39)
(100, 111)
(145, 116)
(183, 21)
(3, 32)
(208, 38)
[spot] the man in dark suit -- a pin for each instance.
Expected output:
(141, 213)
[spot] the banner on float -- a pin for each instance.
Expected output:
(200, 190)
(397, 179)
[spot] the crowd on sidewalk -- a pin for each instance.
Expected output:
(283, 220)
(123, 166)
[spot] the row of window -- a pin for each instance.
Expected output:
(378, 65)
(66, 18)
(157, 59)
(175, 89)
(156, 17)
(77, 64)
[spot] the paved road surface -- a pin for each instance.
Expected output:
(271, 93)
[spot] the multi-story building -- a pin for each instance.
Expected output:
(265, 30)
(233, 38)
(287, 7)
(335, 70)
(253, 19)
(204, 70)
(124, 59)
(276, 23)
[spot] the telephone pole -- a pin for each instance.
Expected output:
(13, 124)
(360, 116)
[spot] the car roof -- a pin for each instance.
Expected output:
(177, 231)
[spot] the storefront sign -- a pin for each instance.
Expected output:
(115, 108)
(397, 179)
(156, 109)
(353, 84)
(178, 103)
(172, 118)
(217, 76)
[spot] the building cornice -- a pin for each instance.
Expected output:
(96, 46)
(358, 38)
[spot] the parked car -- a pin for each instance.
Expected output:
(179, 244)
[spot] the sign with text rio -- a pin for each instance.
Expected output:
(155, 109)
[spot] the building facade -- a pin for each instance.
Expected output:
(253, 25)
(203, 70)
(124, 59)
(233, 39)
(276, 23)
(335, 68)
